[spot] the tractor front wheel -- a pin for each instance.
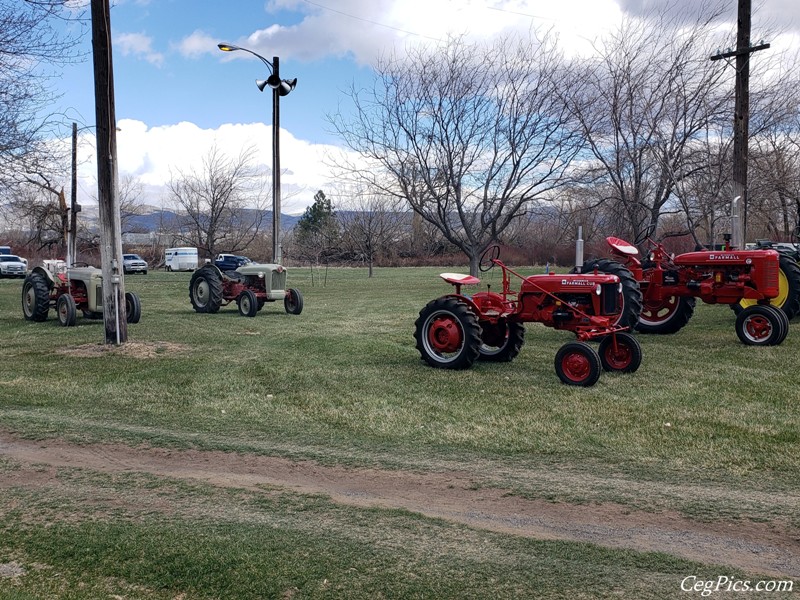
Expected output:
(67, 311)
(759, 325)
(666, 317)
(577, 363)
(133, 308)
(248, 303)
(447, 333)
(788, 298)
(500, 342)
(35, 297)
(205, 290)
(293, 301)
(620, 352)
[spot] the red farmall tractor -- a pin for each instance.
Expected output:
(755, 280)
(455, 330)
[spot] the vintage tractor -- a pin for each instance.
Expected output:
(69, 290)
(455, 330)
(251, 286)
(671, 284)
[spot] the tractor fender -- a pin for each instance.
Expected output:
(46, 274)
(489, 301)
(466, 300)
(214, 267)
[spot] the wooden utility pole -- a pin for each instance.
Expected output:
(114, 313)
(741, 117)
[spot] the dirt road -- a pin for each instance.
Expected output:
(756, 547)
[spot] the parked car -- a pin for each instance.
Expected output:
(133, 263)
(230, 262)
(12, 266)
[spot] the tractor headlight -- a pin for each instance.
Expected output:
(261, 274)
(598, 289)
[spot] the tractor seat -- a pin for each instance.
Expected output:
(622, 246)
(459, 279)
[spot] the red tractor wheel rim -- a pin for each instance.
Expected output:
(576, 366)
(618, 358)
(445, 335)
(659, 312)
(757, 328)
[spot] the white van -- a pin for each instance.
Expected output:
(180, 259)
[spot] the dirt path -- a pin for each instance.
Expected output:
(755, 547)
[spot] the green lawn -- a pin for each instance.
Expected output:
(706, 427)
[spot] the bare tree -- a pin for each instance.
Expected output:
(646, 99)
(466, 134)
(370, 224)
(31, 42)
(223, 203)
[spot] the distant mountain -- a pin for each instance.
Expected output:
(164, 219)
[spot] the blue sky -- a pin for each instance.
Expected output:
(177, 94)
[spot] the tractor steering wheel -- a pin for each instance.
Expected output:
(644, 234)
(488, 257)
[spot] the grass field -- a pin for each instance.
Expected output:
(707, 428)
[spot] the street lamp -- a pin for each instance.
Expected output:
(280, 87)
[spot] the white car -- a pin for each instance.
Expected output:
(133, 263)
(12, 266)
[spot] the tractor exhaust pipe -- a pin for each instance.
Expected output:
(737, 242)
(579, 251)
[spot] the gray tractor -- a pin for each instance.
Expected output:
(68, 291)
(251, 286)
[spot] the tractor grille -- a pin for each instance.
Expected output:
(771, 279)
(99, 296)
(610, 300)
(279, 280)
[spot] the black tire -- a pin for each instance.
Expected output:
(205, 290)
(788, 299)
(759, 325)
(631, 292)
(35, 297)
(144, 272)
(293, 301)
(669, 317)
(784, 324)
(67, 311)
(133, 307)
(500, 342)
(622, 356)
(577, 363)
(447, 333)
(247, 303)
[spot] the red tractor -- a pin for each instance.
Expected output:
(455, 330)
(671, 284)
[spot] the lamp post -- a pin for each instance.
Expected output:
(280, 87)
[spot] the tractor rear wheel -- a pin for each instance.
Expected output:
(666, 317)
(205, 290)
(133, 308)
(759, 325)
(447, 333)
(788, 298)
(293, 301)
(248, 303)
(577, 363)
(35, 297)
(631, 297)
(500, 342)
(67, 311)
(620, 352)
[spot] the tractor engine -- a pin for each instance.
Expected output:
(723, 277)
(571, 301)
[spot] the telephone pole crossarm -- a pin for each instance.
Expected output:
(740, 51)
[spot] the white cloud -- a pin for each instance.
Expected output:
(197, 44)
(153, 155)
(138, 44)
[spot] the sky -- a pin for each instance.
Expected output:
(177, 95)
